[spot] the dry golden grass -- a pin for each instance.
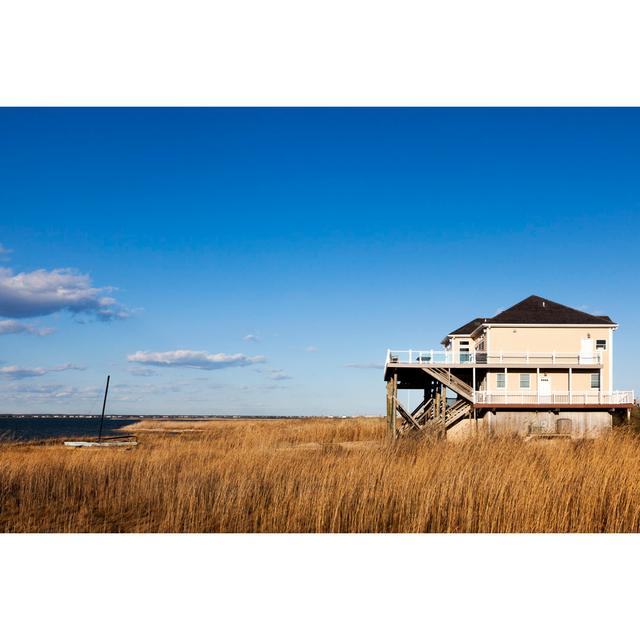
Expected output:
(320, 475)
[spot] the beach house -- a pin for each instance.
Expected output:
(538, 368)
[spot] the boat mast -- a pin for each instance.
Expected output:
(104, 404)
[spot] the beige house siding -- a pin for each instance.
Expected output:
(581, 381)
(561, 339)
(543, 339)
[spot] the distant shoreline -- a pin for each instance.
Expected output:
(31, 427)
(172, 416)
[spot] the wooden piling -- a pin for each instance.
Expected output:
(392, 401)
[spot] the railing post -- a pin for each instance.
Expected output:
(410, 355)
(570, 384)
(600, 387)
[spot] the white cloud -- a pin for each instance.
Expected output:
(311, 349)
(13, 372)
(4, 253)
(41, 292)
(13, 326)
(193, 359)
(145, 373)
(364, 365)
(278, 374)
(251, 338)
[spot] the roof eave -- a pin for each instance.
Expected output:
(574, 325)
(484, 325)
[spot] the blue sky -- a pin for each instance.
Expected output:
(261, 261)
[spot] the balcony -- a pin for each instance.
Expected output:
(574, 399)
(493, 358)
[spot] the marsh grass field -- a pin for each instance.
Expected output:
(319, 475)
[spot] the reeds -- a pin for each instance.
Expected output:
(320, 475)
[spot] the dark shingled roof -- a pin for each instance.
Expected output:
(535, 310)
(468, 328)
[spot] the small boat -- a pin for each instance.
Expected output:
(113, 443)
(109, 441)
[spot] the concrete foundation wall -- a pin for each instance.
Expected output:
(584, 424)
(465, 429)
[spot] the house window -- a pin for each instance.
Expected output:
(525, 380)
(595, 380)
(464, 351)
(601, 344)
(501, 382)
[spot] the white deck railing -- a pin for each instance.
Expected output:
(573, 398)
(431, 356)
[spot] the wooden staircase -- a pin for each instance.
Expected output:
(433, 416)
(461, 409)
(426, 419)
(423, 410)
(451, 381)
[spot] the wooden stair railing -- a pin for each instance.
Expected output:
(422, 410)
(451, 381)
(425, 418)
(458, 411)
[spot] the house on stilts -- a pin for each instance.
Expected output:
(537, 368)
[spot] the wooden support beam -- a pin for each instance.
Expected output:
(408, 418)
(389, 405)
(444, 411)
(394, 403)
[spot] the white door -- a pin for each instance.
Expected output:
(586, 351)
(544, 386)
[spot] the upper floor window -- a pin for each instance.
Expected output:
(601, 344)
(501, 382)
(525, 380)
(595, 380)
(464, 351)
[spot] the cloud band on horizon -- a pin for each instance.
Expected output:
(13, 372)
(193, 359)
